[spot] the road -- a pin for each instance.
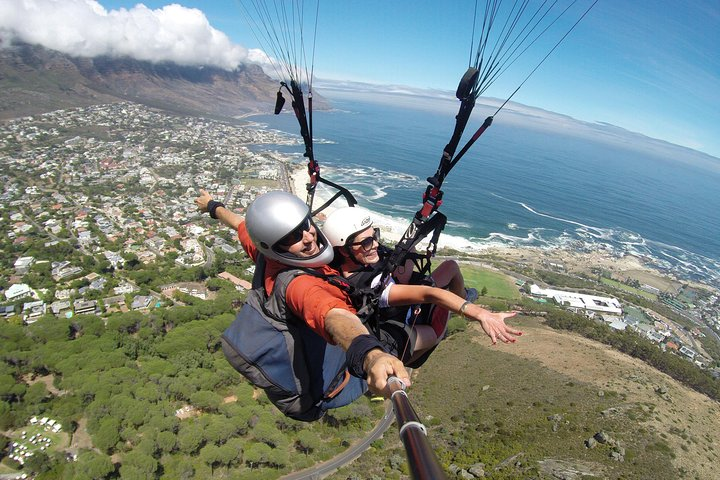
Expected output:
(210, 256)
(322, 470)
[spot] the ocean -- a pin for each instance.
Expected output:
(534, 179)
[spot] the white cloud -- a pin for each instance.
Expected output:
(85, 28)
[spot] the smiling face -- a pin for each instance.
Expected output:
(301, 242)
(364, 246)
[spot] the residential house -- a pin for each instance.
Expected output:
(141, 302)
(117, 301)
(18, 290)
(240, 284)
(580, 301)
(59, 307)
(98, 283)
(146, 256)
(63, 269)
(229, 249)
(85, 307)
(64, 294)
(655, 336)
(33, 310)
(688, 352)
(199, 292)
(123, 288)
(115, 259)
(23, 264)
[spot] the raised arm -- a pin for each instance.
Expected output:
(492, 323)
(225, 215)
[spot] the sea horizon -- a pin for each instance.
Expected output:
(534, 179)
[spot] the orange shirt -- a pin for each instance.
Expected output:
(309, 298)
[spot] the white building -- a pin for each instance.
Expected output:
(18, 290)
(582, 301)
(23, 264)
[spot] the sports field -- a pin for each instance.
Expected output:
(498, 284)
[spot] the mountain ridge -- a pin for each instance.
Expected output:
(34, 80)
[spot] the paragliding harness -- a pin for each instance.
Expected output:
(367, 283)
(363, 296)
(301, 373)
(428, 222)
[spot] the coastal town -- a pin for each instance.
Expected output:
(98, 221)
(91, 194)
(116, 182)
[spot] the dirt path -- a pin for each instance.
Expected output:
(688, 421)
(47, 380)
(81, 439)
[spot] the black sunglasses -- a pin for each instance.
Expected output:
(296, 235)
(367, 243)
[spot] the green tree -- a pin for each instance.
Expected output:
(166, 441)
(49, 328)
(89, 325)
(257, 455)
(277, 458)
(190, 437)
(209, 454)
(36, 394)
(308, 441)
(219, 429)
(10, 390)
(178, 467)
(108, 434)
(92, 465)
(208, 401)
(131, 261)
(245, 393)
(138, 466)
(267, 433)
(38, 463)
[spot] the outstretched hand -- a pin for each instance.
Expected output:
(493, 323)
(203, 200)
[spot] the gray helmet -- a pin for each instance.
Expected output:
(275, 215)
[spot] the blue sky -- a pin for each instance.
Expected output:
(649, 66)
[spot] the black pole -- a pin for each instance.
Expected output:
(423, 463)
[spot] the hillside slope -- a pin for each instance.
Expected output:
(527, 410)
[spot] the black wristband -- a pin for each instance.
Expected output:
(355, 355)
(212, 206)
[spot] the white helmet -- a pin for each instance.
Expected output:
(345, 222)
(275, 215)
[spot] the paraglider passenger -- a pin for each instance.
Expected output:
(351, 232)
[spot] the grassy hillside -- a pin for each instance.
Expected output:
(527, 410)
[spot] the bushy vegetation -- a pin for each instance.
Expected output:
(121, 380)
